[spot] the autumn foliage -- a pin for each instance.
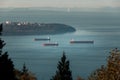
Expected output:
(111, 71)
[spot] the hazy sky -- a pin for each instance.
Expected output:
(60, 3)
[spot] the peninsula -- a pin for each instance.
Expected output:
(26, 28)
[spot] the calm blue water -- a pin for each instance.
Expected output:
(103, 28)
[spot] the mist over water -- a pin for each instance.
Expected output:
(102, 27)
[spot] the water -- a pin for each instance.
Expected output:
(103, 28)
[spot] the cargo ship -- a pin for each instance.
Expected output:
(50, 44)
(73, 41)
(42, 39)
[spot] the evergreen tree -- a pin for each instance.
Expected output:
(6, 65)
(24, 70)
(1, 28)
(26, 75)
(63, 72)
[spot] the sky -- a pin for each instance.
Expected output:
(60, 3)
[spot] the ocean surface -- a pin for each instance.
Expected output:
(102, 27)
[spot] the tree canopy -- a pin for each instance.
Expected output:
(111, 71)
(6, 64)
(63, 72)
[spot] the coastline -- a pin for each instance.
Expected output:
(25, 28)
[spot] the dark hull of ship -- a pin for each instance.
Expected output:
(42, 39)
(81, 41)
(50, 44)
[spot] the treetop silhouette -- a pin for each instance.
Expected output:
(63, 72)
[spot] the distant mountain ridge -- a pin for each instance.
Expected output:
(26, 28)
(74, 9)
